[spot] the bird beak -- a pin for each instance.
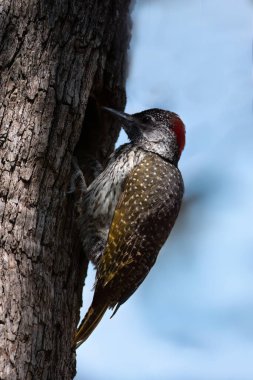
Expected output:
(121, 115)
(129, 123)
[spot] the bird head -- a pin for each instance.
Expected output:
(155, 130)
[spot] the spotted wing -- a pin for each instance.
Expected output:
(142, 221)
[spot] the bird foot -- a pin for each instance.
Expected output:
(77, 181)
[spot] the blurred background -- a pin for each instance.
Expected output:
(192, 318)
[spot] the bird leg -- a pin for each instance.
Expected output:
(92, 166)
(77, 181)
(96, 252)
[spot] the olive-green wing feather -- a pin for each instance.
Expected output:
(142, 221)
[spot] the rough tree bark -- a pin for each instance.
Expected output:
(59, 61)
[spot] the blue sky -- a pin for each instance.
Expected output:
(192, 317)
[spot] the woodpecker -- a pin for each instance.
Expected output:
(130, 209)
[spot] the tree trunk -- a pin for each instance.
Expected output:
(59, 62)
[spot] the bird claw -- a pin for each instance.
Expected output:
(77, 181)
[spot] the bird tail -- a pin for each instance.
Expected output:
(89, 323)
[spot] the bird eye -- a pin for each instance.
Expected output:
(147, 119)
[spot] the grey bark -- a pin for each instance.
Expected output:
(59, 62)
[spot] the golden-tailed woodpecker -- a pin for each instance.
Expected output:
(130, 209)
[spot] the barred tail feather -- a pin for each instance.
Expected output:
(89, 323)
